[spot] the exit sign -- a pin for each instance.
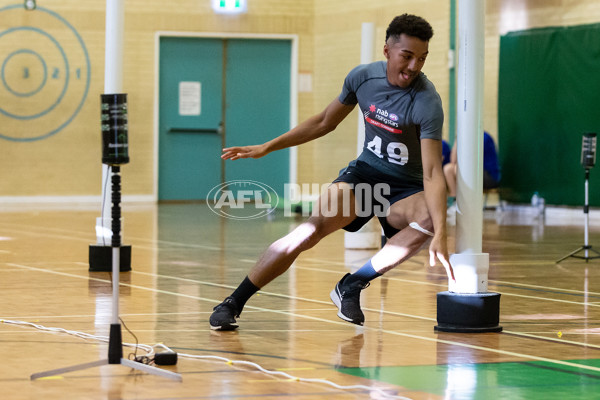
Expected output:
(229, 6)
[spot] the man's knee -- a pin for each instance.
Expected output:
(309, 233)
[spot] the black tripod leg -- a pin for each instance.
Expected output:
(571, 254)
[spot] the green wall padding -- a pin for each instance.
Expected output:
(548, 97)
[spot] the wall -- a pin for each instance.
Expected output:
(67, 163)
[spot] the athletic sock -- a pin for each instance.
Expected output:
(451, 200)
(366, 273)
(244, 292)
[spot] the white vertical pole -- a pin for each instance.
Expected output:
(471, 266)
(113, 56)
(113, 83)
(368, 236)
(366, 56)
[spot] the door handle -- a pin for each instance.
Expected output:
(193, 130)
(215, 131)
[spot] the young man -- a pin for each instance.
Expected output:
(403, 152)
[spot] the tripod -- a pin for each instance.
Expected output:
(115, 344)
(586, 248)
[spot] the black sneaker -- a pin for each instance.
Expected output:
(224, 315)
(346, 297)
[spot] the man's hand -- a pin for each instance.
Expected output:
(234, 153)
(439, 249)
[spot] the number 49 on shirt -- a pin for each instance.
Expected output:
(396, 152)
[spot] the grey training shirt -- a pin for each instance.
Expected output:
(395, 119)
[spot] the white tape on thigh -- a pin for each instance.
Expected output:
(417, 227)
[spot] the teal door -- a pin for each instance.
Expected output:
(215, 93)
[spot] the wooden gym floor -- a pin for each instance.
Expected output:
(187, 259)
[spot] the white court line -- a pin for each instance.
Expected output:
(549, 288)
(391, 278)
(105, 280)
(441, 285)
(273, 294)
(496, 282)
(138, 245)
(340, 323)
(316, 260)
(82, 237)
(562, 341)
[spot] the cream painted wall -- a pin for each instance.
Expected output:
(68, 162)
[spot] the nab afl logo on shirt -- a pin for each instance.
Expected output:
(383, 119)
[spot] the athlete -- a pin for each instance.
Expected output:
(399, 173)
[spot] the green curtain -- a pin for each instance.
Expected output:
(548, 97)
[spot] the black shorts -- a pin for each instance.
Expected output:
(363, 174)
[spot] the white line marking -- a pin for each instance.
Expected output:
(339, 323)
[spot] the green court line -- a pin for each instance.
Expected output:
(531, 380)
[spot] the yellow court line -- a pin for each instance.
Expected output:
(340, 323)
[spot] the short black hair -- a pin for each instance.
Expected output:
(410, 25)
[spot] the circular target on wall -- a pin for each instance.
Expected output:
(44, 73)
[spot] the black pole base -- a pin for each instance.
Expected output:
(468, 312)
(100, 258)
(115, 344)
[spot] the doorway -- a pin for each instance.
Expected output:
(215, 93)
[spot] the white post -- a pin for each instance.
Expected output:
(113, 53)
(366, 56)
(113, 83)
(470, 264)
(367, 237)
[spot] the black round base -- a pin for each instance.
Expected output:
(100, 258)
(468, 312)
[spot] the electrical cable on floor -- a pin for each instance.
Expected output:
(150, 353)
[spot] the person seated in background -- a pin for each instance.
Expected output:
(491, 168)
(445, 153)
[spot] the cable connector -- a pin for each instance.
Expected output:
(165, 358)
(143, 359)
